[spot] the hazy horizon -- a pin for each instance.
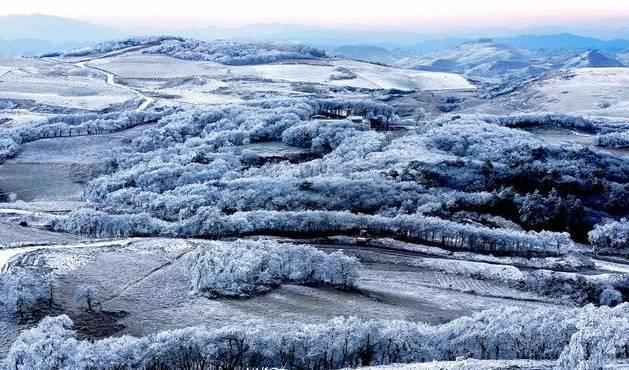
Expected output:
(395, 15)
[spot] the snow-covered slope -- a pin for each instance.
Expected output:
(367, 75)
(466, 56)
(593, 59)
(40, 83)
(587, 91)
(485, 61)
(220, 51)
(367, 53)
(471, 364)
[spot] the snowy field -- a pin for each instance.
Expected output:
(149, 280)
(51, 83)
(473, 365)
(58, 169)
(369, 76)
(585, 91)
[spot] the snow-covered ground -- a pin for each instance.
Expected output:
(585, 91)
(149, 279)
(14, 236)
(7, 253)
(142, 66)
(110, 79)
(612, 266)
(571, 136)
(471, 365)
(16, 117)
(58, 169)
(52, 83)
(370, 76)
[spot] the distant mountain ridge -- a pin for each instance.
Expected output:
(37, 33)
(53, 29)
(367, 53)
(565, 41)
(34, 47)
(594, 59)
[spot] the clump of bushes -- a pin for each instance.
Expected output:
(248, 268)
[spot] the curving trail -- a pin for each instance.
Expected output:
(7, 253)
(111, 80)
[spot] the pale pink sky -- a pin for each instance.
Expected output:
(397, 14)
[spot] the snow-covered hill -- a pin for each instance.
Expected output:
(588, 91)
(367, 53)
(466, 56)
(220, 51)
(594, 59)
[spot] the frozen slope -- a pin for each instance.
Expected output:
(585, 91)
(369, 76)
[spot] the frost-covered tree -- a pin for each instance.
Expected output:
(602, 336)
(617, 140)
(87, 296)
(611, 237)
(221, 51)
(342, 73)
(245, 268)
(50, 345)
(583, 338)
(24, 293)
(321, 136)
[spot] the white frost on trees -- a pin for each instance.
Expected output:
(611, 237)
(245, 268)
(23, 291)
(581, 338)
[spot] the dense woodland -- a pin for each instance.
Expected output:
(184, 171)
(185, 168)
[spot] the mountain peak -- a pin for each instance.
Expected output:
(594, 59)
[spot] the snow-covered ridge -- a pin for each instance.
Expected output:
(220, 51)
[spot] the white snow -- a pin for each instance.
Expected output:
(158, 67)
(7, 253)
(611, 266)
(111, 80)
(370, 76)
(53, 83)
(586, 91)
(470, 364)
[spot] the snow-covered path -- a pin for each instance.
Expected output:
(7, 253)
(611, 266)
(17, 211)
(111, 80)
